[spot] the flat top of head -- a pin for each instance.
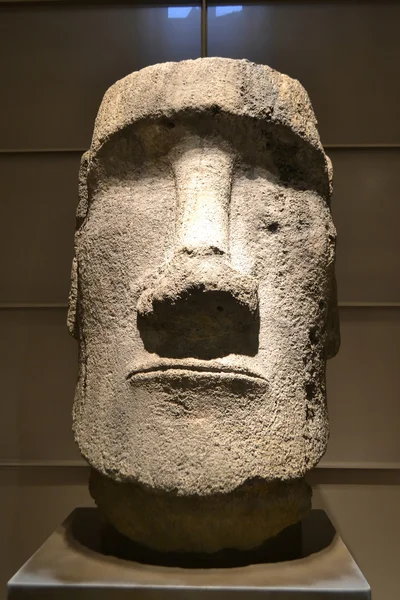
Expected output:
(238, 87)
(224, 86)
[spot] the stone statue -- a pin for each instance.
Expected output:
(203, 299)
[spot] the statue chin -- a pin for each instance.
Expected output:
(165, 522)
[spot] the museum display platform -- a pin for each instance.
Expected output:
(85, 559)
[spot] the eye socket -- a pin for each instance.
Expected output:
(268, 225)
(273, 227)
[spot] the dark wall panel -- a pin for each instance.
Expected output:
(37, 221)
(364, 390)
(346, 54)
(57, 62)
(366, 211)
(38, 365)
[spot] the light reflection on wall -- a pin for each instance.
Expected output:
(180, 12)
(220, 11)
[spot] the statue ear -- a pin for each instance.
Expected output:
(72, 322)
(81, 212)
(332, 340)
(83, 204)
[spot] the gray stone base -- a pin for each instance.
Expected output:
(77, 562)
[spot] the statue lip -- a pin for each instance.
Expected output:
(194, 366)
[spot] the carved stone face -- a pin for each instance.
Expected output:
(204, 289)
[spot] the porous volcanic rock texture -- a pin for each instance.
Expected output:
(203, 299)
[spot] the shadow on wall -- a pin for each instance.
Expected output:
(87, 532)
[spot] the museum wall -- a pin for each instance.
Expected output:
(56, 62)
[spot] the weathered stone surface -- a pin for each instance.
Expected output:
(242, 519)
(204, 303)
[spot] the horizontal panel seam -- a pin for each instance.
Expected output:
(329, 466)
(81, 150)
(75, 3)
(64, 306)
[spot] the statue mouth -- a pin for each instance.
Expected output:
(195, 368)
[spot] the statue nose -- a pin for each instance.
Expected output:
(199, 306)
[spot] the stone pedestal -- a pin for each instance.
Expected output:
(84, 559)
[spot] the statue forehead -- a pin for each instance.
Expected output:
(236, 87)
(238, 91)
(235, 98)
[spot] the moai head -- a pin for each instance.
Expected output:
(203, 299)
